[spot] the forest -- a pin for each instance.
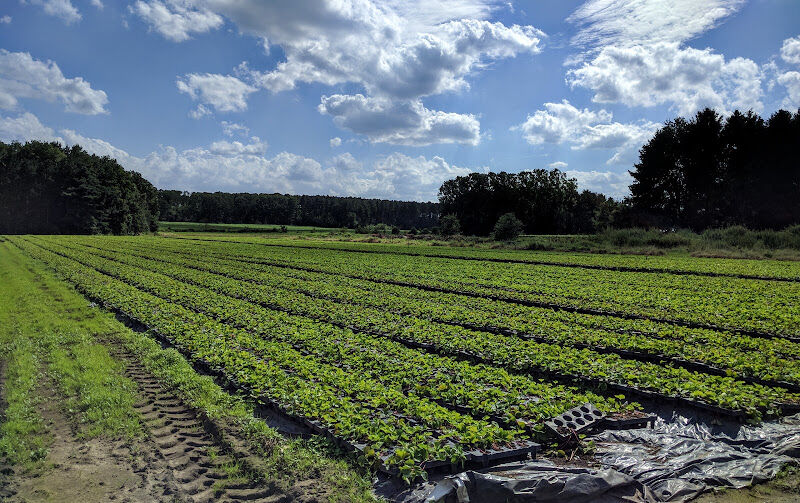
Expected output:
(709, 172)
(46, 188)
(285, 209)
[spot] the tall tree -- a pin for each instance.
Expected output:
(706, 172)
(47, 188)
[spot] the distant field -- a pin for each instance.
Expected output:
(243, 228)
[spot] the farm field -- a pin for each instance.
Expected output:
(416, 357)
(238, 228)
(93, 411)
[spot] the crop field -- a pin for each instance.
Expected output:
(418, 356)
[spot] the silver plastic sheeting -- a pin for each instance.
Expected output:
(675, 461)
(681, 458)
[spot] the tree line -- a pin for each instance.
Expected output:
(285, 209)
(698, 173)
(46, 188)
(545, 202)
(703, 172)
(706, 172)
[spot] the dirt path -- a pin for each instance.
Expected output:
(177, 460)
(198, 462)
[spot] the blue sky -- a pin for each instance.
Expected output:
(382, 98)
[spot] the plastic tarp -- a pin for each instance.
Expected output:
(676, 460)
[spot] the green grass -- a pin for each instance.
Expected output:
(48, 342)
(23, 436)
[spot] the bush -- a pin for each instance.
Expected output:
(449, 225)
(508, 227)
(395, 230)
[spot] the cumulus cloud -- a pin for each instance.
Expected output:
(5, 19)
(25, 127)
(585, 129)
(606, 182)
(397, 64)
(610, 22)
(58, 8)
(634, 53)
(395, 50)
(346, 163)
(176, 20)
(790, 50)
(223, 92)
(791, 81)
(21, 76)
(244, 166)
(686, 79)
(335, 142)
(398, 121)
(558, 165)
(398, 176)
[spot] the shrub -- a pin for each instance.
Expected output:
(508, 227)
(449, 225)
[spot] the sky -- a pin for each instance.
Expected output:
(385, 98)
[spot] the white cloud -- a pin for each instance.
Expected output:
(790, 50)
(59, 8)
(613, 22)
(21, 76)
(558, 165)
(395, 50)
(398, 121)
(96, 146)
(559, 122)
(199, 112)
(606, 182)
(335, 142)
(686, 79)
(223, 92)
(634, 54)
(176, 20)
(98, 4)
(235, 148)
(585, 129)
(346, 163)
(232, 128)
(5, 19)
(398, 176)
(236, 166)
(791, 81)
(25, 127)
(390, 62)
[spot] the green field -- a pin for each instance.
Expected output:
(415, 355)
(238, 228)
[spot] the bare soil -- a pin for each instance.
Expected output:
(177, 460)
